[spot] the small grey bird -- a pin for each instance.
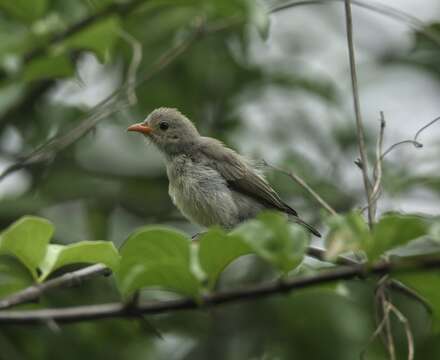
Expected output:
(208, 182)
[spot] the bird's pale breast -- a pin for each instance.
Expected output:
(200, 193)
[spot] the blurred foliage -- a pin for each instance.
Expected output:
(58, 59)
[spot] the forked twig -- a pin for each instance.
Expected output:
(377, 332)
(384, 326)
(379, 160)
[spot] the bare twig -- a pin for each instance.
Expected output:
(423, 128)
(413, 141)
(357, 108)
(389, 338)
(397, 144)
(383, 314)
(119, 310)
(398, 286)
(379, 330)
(384, 327)
(408, 331)
(377, 172)
(303, 184)
(34, 292)
(379, 161)
(134, 65)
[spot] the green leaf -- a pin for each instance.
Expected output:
(156, 257)
(86, 252)
(392, 231)
(348, 232)
(48, 67)
(99, 38)
(351, 233)
(275, 239)
(217, 250)
(426, 284)
(13, 276)
(27, 239)
(24, 9)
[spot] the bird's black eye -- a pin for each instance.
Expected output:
(163, 125)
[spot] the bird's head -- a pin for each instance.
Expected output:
(171, 131)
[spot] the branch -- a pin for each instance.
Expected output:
(133, 66)
(121, 310)
(408, 332)
(414, 141)
(302, 183)
(377, 171)
(321, 254)
(357, 109)
(34, 292)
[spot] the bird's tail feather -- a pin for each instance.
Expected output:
(307, 226)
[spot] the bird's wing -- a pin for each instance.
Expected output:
(240, 175)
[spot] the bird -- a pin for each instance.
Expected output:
(210, 183)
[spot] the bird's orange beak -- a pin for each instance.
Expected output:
(142, 128)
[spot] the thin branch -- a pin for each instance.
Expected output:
(133, 66)
(382, 310)
(397, 144)
(398, 286)
(389, 338)
(357, 109)
(120, 310)
(414, 141)
(379, 161)
(408, 332)
(379, 330)
(34, 292)
(321, 254)
(423, 128)
(384, 318)
(303, 184)
(377, 172)
(385, 325)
